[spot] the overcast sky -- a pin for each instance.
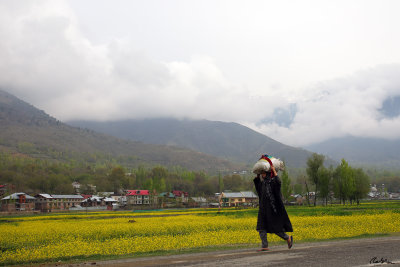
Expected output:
(298, 71)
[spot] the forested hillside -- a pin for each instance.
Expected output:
(31, 132)
(231, 141)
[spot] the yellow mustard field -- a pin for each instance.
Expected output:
(62, 237)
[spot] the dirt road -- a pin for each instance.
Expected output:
(356, 252)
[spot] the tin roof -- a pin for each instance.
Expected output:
(67, 196)
(93, 199)
(16, 196)
(44, 195)
(232, 195)
(245, 194)
(249, 194)
(167, 194)
(109, 199)
(199, 199)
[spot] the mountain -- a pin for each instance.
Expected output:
(231, 141)
(29, 131)
(361, 151)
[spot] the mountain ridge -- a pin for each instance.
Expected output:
(30, 131)
(228, 140)
(361, 151)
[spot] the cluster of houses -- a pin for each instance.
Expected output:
(139, 199)
(379, 192)
(41, 202)
(131, 199)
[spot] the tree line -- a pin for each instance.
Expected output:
(29, 175)
(343, 183)
(24, 174)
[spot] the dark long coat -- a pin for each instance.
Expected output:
(269, 220)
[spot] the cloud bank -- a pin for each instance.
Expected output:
(348, 106)
(47, 61)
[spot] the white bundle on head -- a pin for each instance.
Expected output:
(263, 165)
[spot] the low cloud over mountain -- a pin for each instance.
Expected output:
(48, 59)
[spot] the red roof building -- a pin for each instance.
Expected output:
(178, 193)
(137, 192)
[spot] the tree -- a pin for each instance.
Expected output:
(391, 182)
(140, 175)
(128, 182)
(325, 177)
(87, 189)
(344, 183)
(298, 189)
(233, 182)
(207, 188)
(116, 178)
(348, 181)
(220, 183)
(148, 184)
(158, 175)
(299, 184)
(301, 187)
(286, 187)
(314, 163)
(362, 183)
(338, 185)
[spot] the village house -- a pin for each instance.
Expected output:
(298, 199)
(64, 202)
(18, 202)
(109, 201)
(250, 199)
(98, 201)
(139, 197)
(77, 187)
(181, 196)
(196, 202)
(122, 200)
(85, 196)
(167, 199)
(394, 195)
(119, 199)
(174, 198)
(236, 199)
(44, 202)
(92, 201)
